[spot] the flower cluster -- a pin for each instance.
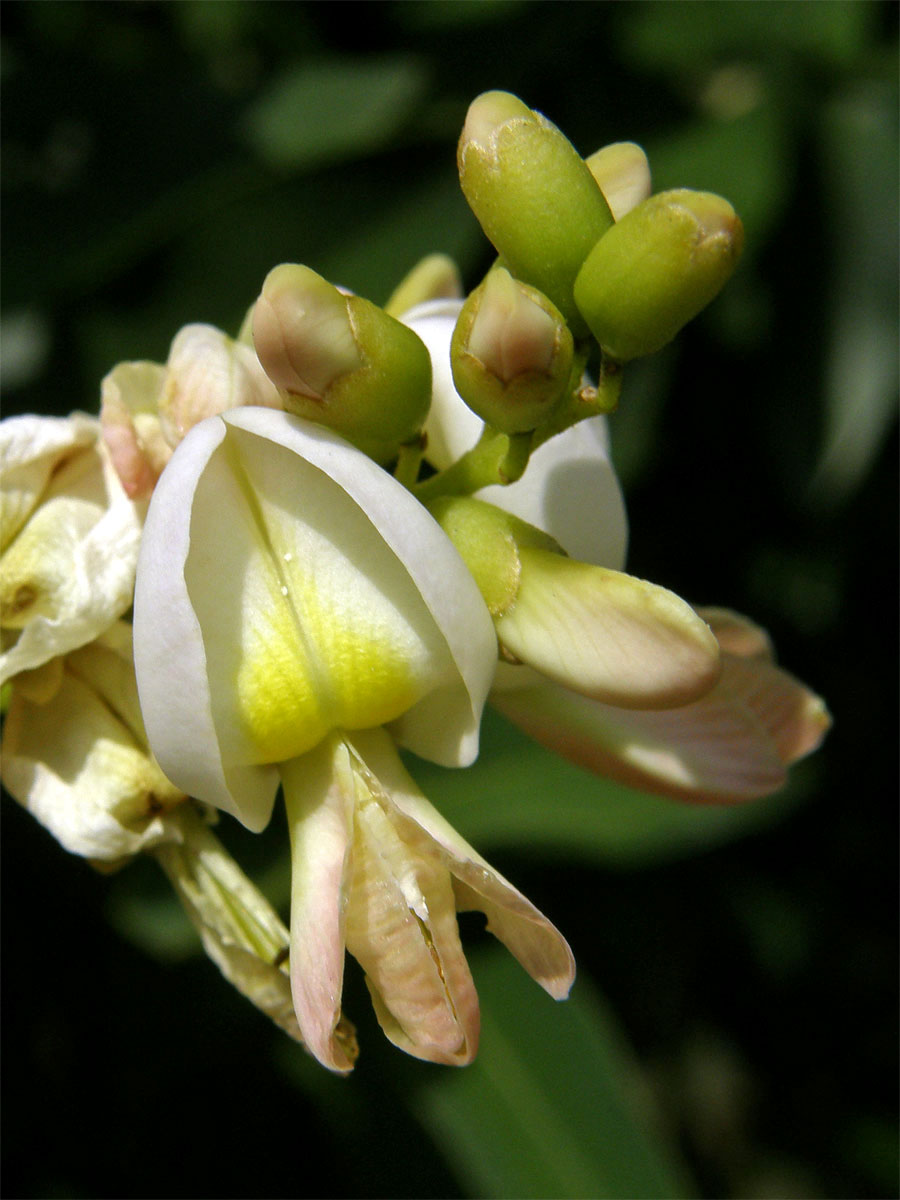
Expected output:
(342, 533)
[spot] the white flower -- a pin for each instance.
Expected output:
(298, 612)
(69, 539)
(75, 753)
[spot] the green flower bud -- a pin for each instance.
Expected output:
(656, 269)
(511, 354)
(623, 175)
(533, 195)
(341, 361)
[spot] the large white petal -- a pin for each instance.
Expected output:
(443, 725)
(169, 655)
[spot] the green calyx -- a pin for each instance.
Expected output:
(662, 263)
(341, 361)
(490, 542)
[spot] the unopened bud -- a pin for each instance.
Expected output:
(656, 269)
(533, 195)
(341, 361)
(623, 175)
(511, 354)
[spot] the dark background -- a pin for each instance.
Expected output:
(158, 159)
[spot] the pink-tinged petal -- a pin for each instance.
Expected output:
(714, 750)
(318, 792)
(129, 416)
(569, 489)
(794, 717)
(737, 634)
(401, 927)
(169, 655)
(607, 635)
(527, 934)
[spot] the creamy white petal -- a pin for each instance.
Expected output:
(31, 449)
(79, 770)
(169, 655)
(69, 572)
(607, 635)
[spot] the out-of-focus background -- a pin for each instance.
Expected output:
(732, 1032)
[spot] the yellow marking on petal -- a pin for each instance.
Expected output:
(321, 627)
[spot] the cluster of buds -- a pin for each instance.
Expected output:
(341, 533)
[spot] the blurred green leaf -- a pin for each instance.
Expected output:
(860, 147)
(553, 1105)
(745, 159)
(427, 15)
(685, 36)
(335, 109)
(521, 795)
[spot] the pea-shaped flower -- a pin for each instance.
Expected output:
(297, 613)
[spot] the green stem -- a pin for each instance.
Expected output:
(495, 458)
(584, 402)
(409, 459)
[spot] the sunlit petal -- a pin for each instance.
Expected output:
(525, 931)
(607, 635)
(712, 750)
(318, 790)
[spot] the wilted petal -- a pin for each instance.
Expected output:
(525, 931)
(31, 449)
(569, 489)
(608, 635)
(76, 763)
(69, 572)
(240, 930)
(129, 415)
